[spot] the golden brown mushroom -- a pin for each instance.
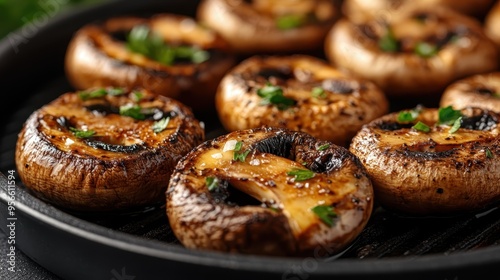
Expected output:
(427, 161)
(298, 92)
(104, 148)
(313, 197)
(492, 23)
(270, 26)
(168, 54)
(416, 53)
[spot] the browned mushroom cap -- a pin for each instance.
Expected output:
(180, 58)
(438, 170)
(492, 23)
(298, 92)
(313, 196)
(482, 90)
(362, 10)
(416, 53)
(104, 149)
(270, 26)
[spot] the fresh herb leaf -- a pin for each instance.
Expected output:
(426, 50)
(290, 21)
(271, 94)
(448, 116)
(137, 95)
(301, 174)
(388, 42)
(238, 155)
(488, 153)
(98, 93)
(160, 125)
(456, 125)
(115, 91)
(323, 147)
(408, 115)
(325, 213)
(318, 92)
(133, 111)
(82, 133)
(212, 183)
(420, 126)
(143, 41)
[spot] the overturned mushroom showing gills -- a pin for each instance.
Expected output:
(429, 161)
(168, 54)
(314, 196)
(104, 148)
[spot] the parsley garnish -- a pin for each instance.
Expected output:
(420, 126)
(133, 111)
(325, 213)
(488, 153)
(160, 125)
(448, 115)
(323, 147)
(456, 125)
(271, 94)
(82, 133)
(115, 91)
(426, 50)
(238, 155)
(318, 92)
(143, 41)
(301, 174)
(137, 95)
(408, 115)
(98, 93)
(212, 183)
(388, 42)
(290, 21)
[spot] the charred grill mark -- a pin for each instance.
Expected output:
(392, 126)
(279, 145)
(481, 122)
(97, 144)
(411, 152)
(102, 109)
(282, 73)
(483, 90)
(340, 86)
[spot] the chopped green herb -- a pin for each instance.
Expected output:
(301, 174)
(82, 133)
(143, 41)
(238, 155)
(420, 126)
(323, 147)
(98, 93)
(271, 94)
(456, 125)
(212, 183)
(388, 42)
(488, 153)
(115, 91)
(318, 92)
(290, 21)
(133, 111)
(325, 213)
(426, 50)
(448, 116)
(160, 125)
(408, 115)
(137, 95)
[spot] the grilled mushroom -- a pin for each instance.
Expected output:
(298, 92)
(429, 161)
(270, 26)
(492, 22)
(482, 90)
(369, 9)
(312, 196)
(415, 53)
(104, 148)
(167, 54)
